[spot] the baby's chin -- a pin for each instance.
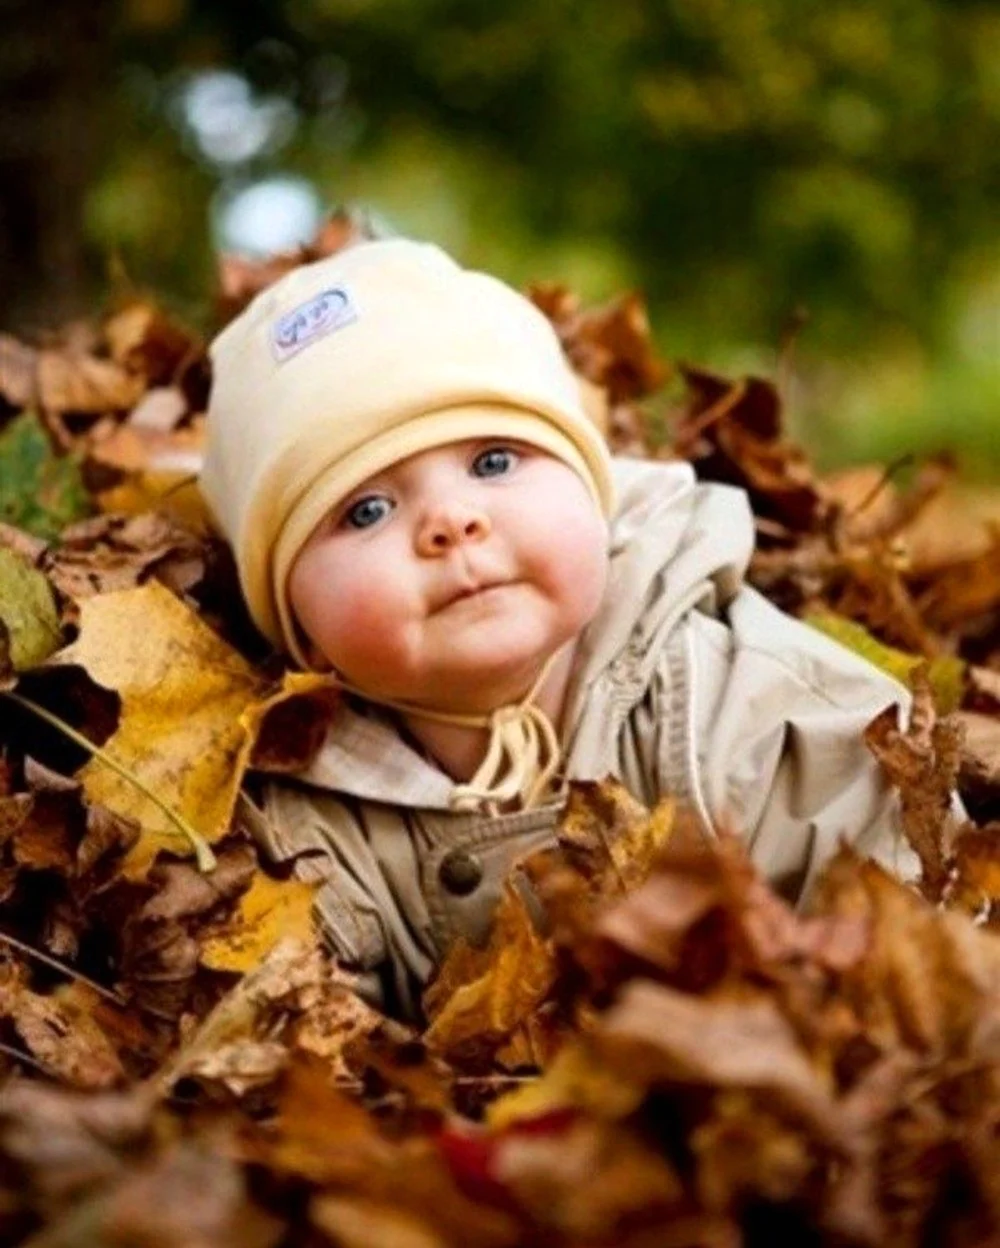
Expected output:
(473, 685)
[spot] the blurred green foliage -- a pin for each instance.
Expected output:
(39, 491)
(740, 161)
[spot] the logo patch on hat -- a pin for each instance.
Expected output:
(317, 317)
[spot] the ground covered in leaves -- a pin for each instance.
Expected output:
(674, 1058)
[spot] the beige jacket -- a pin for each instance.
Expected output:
(687, 682)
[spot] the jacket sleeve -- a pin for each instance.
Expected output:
(327, 843)
(779, 712)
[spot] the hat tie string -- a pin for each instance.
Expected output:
(522, 756)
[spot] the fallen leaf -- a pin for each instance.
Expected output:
(27, 612)
(39, 491)
(357, 1222)
(482, 996)
(289, 725)
(183, 691)
(168, 491)
(610, 838)
(732, 432)
(611, 347)
(18, 362)
(574, 1079)
(193, 1194)
(106, 554)
(320, 1134)
(656, 1034)
(59, 1030)
(143, 340)
(269, 911)
(974, 883)
(288, 980)
(68, 1142)
(928, 979)
(71, 380)
(590, 1182)
(922, 761)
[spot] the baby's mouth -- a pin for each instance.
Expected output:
(470, 591)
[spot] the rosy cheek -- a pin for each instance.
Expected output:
(356, 628)
(355, 619)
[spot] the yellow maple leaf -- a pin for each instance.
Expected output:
(491, 992)
(269, 911)
(183, 691)
(191, 709)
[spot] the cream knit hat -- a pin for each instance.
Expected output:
(347, 365)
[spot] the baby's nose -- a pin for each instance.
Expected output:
(448, 525)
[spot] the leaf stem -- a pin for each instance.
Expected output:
(202, 850)
(70, 971)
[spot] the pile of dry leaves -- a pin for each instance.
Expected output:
(669, 1056)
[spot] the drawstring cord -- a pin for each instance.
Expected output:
(522, 757)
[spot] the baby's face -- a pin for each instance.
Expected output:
(449, 578)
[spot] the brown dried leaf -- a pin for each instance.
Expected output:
(720, 1041)
(14, 811)
(588, 1181)
(974, 883)
(706, 913)
(611, 346)
(130, 449)
(872, 509)
(929, 981)
(338, 1023)
(319, 1134)
(731, 432)
(184, 892)
(60, 1031)
(192, 1195)
(922, 762)
(293, 1002)
(744, 1152)
(160, 941)
(610, 838)
(18, 372)
(66, 1142)
(106, 834)
(575, 1079)
(289, 726)
(109, 553)
(143, 340)
(71, 380)
(268, 912)
(966, 593)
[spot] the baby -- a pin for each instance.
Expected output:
(418, 503)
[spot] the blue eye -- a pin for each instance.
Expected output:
(495, 462)
(368, 511)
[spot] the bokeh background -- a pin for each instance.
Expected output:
(803, 187)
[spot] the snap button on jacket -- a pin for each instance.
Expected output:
(460, 872)
(688, 682)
